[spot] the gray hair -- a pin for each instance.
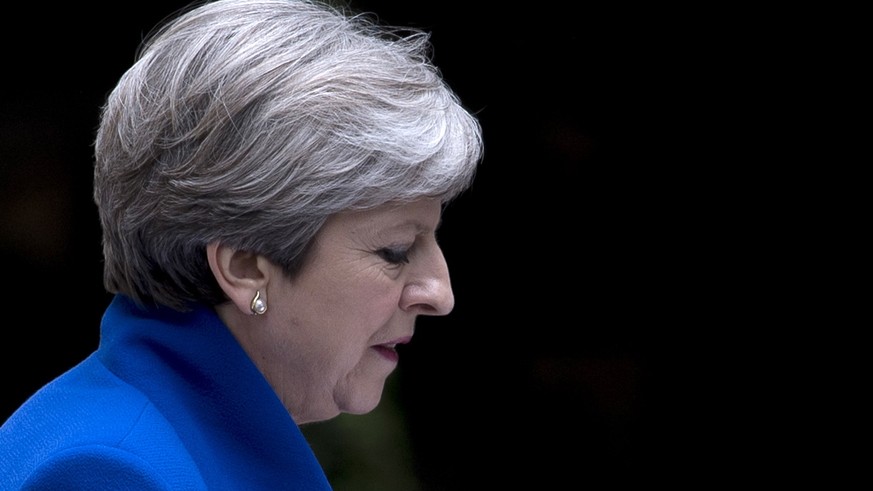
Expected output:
(249, 122)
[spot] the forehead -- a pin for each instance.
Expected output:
(417, 217)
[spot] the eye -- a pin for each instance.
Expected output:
(394, 255)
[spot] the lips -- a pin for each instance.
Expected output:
(389, 350)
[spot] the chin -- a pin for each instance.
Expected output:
(363, 407)
(364, 402)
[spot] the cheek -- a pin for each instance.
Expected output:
(371, 306)
(340, 318)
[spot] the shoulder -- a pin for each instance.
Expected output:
(95, 467)
(88, 428)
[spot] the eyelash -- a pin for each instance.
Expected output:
(394, 256)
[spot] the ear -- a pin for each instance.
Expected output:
(241, 274)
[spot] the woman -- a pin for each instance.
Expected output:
(270, 175)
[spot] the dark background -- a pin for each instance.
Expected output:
(554, 368)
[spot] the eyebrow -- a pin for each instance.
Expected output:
(413, 224)
(417, 226)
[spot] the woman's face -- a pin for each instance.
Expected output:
(328, 340)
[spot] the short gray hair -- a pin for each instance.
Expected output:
(249, 122)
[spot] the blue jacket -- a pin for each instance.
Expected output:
(168, 401)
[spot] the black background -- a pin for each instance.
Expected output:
(554, 368)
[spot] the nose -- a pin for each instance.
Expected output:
(429, 289)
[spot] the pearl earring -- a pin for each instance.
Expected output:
(259, 305)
